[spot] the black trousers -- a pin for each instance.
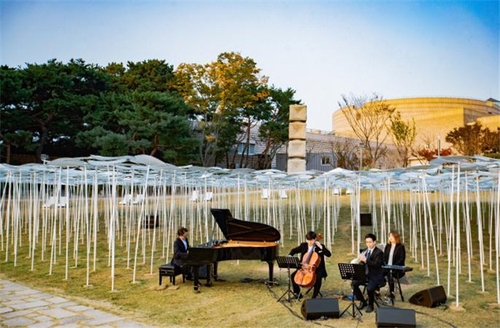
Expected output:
(370, 289)
(185, 270)
(395, 275)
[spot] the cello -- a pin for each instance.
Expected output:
(306, 276)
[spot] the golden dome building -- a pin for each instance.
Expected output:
(434, 117)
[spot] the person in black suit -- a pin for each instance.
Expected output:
(373, 258)
(311, 244)
(181, 250)
(394, 254)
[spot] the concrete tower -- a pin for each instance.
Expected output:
(297, 136)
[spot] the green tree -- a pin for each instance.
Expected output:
(141, 115)
(224, 96)
(403, 135)
(157, 124)
(243, 89)
(48, 104)
(196, 84)
(274, 125)
(148, 75)
(12, 118)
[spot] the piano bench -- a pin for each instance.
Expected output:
(168, 270)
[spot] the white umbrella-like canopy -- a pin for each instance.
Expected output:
(127, 170)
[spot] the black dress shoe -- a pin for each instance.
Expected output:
(369, 309)
(362, 305)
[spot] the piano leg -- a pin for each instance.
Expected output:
(271, 270)
(210, 272)
(215, 271)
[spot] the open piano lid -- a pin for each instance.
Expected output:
(234, 229)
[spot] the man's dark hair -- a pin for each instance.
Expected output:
(311, 235)
(372, 236)
(181, 231)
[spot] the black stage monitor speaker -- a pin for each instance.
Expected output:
(316, 308)
(394, 317)
(365, 219)
(431, 297)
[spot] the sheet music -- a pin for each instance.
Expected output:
(291, 262)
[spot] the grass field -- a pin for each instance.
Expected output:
(241, 298)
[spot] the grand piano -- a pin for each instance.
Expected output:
(245, 240)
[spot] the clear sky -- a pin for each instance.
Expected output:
(321, 49)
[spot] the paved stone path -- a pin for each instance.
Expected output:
(21, 306)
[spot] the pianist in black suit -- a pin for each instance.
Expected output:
(320, 271)
(373, 258)
(394, 254)
(181, 247)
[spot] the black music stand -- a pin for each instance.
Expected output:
(353, 272)
(288, 262)
(365, 219)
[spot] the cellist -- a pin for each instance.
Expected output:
(312, 244)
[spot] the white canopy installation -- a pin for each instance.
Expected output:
(144, 200)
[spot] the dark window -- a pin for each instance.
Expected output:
(325, 160)
(251, 149)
